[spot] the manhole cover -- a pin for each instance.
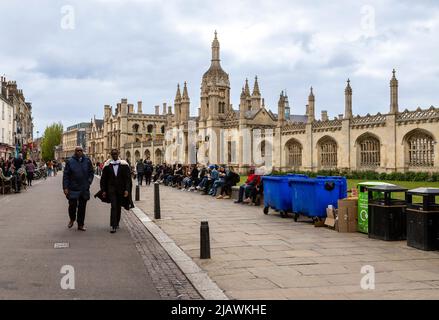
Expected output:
(61, 245)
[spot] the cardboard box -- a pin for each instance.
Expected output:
(347, 219)
(348, 202)
(331, 215)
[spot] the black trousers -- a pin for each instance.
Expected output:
(77, 210)
(148, 178)
(116, 209)
(30, 177)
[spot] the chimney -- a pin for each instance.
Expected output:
(157, 110)
(130, 108)
(169, 109)
(139, 107)
(340, 116)
(164, 108)
(325, 115)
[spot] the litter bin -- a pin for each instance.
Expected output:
(311, 197)
(423, 219)
(363, 203)
(277, 193)
(387, 216)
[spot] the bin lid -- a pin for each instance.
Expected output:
(374, 183)
(388, 188)
(424, 191)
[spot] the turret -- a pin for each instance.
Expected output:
(256, 96)
(311, 106)
(394, 94)
(348, 101)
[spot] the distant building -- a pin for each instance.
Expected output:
(74, 136)
(16, 126)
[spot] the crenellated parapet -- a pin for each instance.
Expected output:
(327, 126)
(418, 116)
(368, 121)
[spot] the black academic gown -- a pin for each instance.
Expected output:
(115, 186)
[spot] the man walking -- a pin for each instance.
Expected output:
(77, 178)
(140, 169)
(115, 184)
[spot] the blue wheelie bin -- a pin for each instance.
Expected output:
(277, 193)
(343, 185)
(311, 197)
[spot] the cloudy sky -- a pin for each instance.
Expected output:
(73, 57)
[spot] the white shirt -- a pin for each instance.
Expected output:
(115, 166)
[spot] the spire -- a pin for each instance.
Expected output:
(394, 94)
(247, 89)
(256, 91)
(178, 95)
(348, 89)
(242, 93)
(281, 109)
(185, 93)
(311, 95)
(311, 107)
(215, 51)
(348, 101)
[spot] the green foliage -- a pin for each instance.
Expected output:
(52, 137)
(371, 175)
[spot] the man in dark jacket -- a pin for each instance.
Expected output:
(140, 169)
(77, 178)
(115, 184)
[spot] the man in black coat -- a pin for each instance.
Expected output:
(115, 184)
(77, 178)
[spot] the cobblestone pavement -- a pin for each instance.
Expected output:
(106, 266)
(255, 256)
(168, 279)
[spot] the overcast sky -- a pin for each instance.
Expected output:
(141, 49)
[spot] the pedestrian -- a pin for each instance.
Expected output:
(77, 178)
(148, 173)
(140, 169)
(30, 169)
(115, 184)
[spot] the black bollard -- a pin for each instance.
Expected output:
(137, 193)
(156, 201)
(204, 240)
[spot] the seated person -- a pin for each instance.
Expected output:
(219, 182)
(246, 189)
(231, 179)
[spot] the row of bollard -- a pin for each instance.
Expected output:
(204, 227)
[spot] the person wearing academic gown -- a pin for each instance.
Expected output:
(115, 184)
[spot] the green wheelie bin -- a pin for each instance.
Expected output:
(363, 203)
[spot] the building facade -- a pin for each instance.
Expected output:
(21, 116)
(252, 136)
(392, 141)
(74, 136)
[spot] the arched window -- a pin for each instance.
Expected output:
(136, 128)
(420, 149)
(137, 155)
(328, 152)
(369, 151)
(150, 128)
(147, 155)
(294, 153)
(158, 156)
(162, 129)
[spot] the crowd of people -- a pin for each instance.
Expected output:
(21, 172)
(213, 180)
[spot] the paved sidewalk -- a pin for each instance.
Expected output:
(127, 265)
(266, 257)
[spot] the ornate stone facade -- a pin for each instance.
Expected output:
(135, 134)
(389, 142)
(394, 141)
